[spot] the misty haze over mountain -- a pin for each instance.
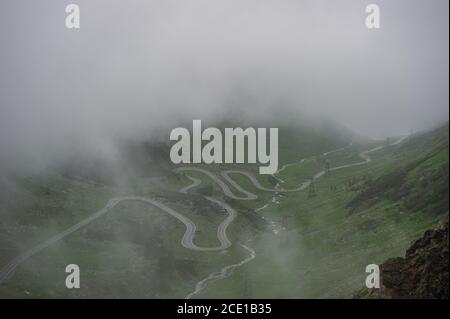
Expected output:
(138, 66)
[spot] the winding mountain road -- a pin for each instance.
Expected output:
(187, 240)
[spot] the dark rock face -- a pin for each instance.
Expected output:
(422, 274)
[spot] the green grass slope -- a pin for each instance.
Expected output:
(358, 216)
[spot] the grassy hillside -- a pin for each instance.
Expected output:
(307, 244)
(358, 216)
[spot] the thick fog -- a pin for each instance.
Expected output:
(135, 66)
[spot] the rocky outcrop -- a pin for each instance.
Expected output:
(423, 273)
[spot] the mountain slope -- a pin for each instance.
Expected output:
(418, 185)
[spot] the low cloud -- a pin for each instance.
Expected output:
(137, 66)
